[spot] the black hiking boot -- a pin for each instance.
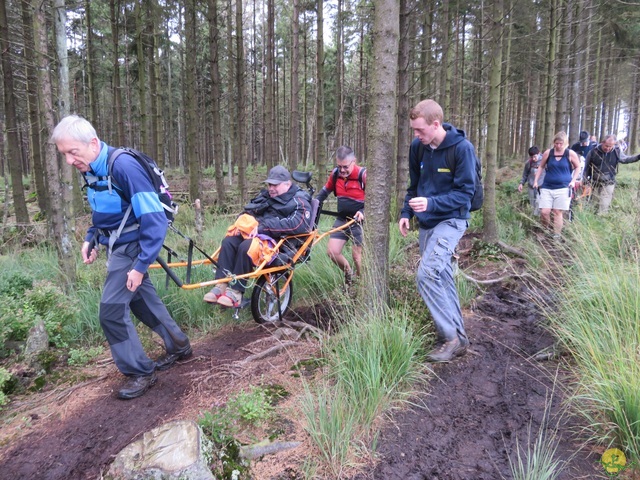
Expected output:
(136, 385)
(167, 360)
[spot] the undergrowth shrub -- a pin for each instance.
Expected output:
(12, 290)
(23, 305)
(222, 426)
(5, 376)
(252, 406)
(82, 356)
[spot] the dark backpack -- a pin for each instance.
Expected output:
(360, 178)
(478, 195)
(154, 173)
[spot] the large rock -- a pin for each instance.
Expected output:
(38, 339)
(170, 452)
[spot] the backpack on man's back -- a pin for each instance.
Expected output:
(361, 173)
(154, 173)
(478, 195)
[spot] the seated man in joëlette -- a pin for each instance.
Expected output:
(280, 210)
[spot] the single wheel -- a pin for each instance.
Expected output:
(264, 301)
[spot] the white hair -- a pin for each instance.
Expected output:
(75, 128)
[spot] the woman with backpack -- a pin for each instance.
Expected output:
(561, 167)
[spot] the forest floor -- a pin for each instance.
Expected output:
(474, 410)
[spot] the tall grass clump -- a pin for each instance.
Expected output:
(596, 314)
(332, 424)
(373, 363)
(536, 459)
(375, 360)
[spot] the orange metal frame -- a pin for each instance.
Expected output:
(312, 238)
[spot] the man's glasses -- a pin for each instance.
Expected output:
(344, 167)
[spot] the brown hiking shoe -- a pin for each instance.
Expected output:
(448, 351)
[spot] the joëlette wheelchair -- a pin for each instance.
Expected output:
(272, 282)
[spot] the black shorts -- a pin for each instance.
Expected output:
(352, 232)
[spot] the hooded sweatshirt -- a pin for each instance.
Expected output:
(448, 195)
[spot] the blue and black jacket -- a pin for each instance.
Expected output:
(448, 194)
(131, 185)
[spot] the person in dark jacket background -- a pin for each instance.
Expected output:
(348, 186)
(600, 169)
(584, 146)
(528, 174)
(127, 286)
(281, 209)
(441, 201)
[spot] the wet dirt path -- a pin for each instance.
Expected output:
(483, 403)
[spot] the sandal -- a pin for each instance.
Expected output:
(231, 299)
(213, 295)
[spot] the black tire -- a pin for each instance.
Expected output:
(264, 304)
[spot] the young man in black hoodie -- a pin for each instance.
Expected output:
(441, 201)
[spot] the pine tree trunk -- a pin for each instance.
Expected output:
(216, 94)
(150, 62)
(294, 139)
(57, 221)
(576, 73)
(192, 159)
(270, 140)
(143, 113)
(339, 77)
(92, 111)
(381, 147)
(361, 134)
(426, 53)
(490, 224)
(505, 149)
(59, 22)
(241, 102)
(70, 186)
(549, 114)
(13, 146)
(157, 96)
(407, 33)
(320, 157)
(444, 89)
(118, 136)
(477, 99)
(563, 74)
(35, 142)
(231, 113)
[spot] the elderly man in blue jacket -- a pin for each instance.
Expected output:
(127, 287)
(441, 201)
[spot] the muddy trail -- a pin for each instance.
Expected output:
(476, 407)
(78, 434)
(482, 405)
